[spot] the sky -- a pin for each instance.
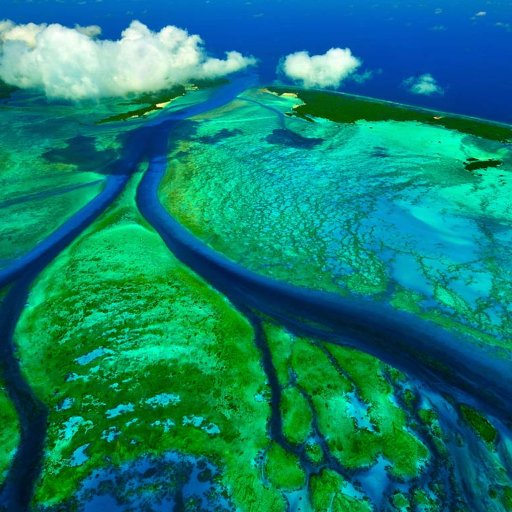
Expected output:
(454, 55)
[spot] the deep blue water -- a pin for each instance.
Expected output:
(471, 57)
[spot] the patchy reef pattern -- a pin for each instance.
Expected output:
(224, 297)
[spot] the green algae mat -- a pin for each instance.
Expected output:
(145, 363)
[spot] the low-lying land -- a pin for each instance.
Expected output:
(345, 108)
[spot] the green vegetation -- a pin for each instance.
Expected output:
(400, 502)
(9, 432)
(502, 494)
(479, 423)
(406, 301)
(281, 344)
(507, 498)
(328, 496)
(157, 100)
(314, 451)
(141, 356)
(430, 420)
(344, 108)
(296, 414)
(151, 101)
(135, 355)
(283, 469)
(329, 387)
(209, 83)
(423, 502)
(153, 98)
(472, 164)
(6, 90)
(392, 436)
(315, 373)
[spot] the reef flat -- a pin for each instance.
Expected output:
(137, 312)
(156, 333)
(346, 108)
(387, 210)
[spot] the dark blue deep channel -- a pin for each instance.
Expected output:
(470, 373)
(445, 364)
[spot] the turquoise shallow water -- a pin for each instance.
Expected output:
(54, 158)
(51, 158)
(130, 354)
(385, 210)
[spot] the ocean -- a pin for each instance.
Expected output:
(466, 45)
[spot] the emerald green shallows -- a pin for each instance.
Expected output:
(384, 210)
(141, 356)
(134, 355)
(9, 432)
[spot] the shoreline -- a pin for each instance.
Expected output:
(426, 110)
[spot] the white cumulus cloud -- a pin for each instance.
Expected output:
(72, 63)
(425, 85)
(89, 30)
(327, 70)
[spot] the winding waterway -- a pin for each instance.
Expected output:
(443, 363)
